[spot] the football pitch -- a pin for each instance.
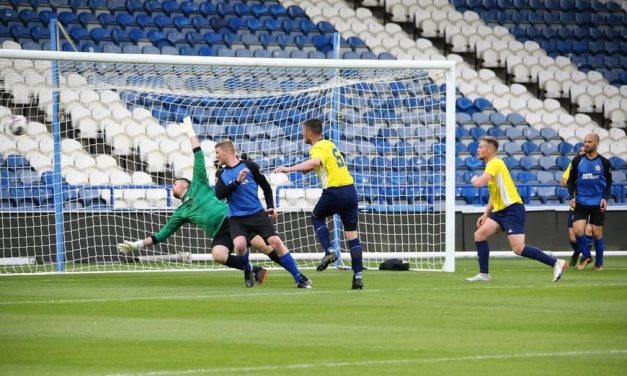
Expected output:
(402, 323)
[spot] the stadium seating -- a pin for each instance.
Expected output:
(257, 29)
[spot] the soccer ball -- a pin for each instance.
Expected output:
(16, 124)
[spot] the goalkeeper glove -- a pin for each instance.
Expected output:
(130, 247)
(186, 127)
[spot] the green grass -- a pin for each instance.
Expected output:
(403, 323)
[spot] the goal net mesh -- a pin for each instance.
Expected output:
(119, 149)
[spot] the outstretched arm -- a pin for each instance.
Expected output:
(305, 166)
(479, 181)
(173, 224)
(129, 246)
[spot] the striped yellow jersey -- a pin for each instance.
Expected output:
(503, 192)
(333, 171)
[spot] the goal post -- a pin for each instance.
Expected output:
(96, 164)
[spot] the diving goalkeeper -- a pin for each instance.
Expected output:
(200, 207)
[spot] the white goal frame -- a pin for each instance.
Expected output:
(447, 67)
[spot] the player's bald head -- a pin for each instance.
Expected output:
(594, 137)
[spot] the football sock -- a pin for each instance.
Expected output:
(275, 257)
(536, 254)
(247, 266)
(575, 248)
(599, 247)
(288, 263)
(322, 232)
(483, 253)
(582, 244)
(235, 262)
(356, 255)
(590, 240)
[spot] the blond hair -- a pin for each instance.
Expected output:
(226, 145)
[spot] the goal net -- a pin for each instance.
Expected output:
(102, 147)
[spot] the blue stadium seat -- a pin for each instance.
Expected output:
(131, 49)
(565, 148)
(190, 7)
(561, 193)
(473, 163)
(471, 194)
(126, 21)
(145, 21)
(511, 163)
(171, 8)
(562, 162)
(100, 35)
(547, 163)
(135, 7)
(465, 105)
(472, 148)
(617, 163)
(477, 133)
(183, 24)
(496, 132)
(163, 22)
(529, 163)
(482, 104)
(516, 119)
(548, 148)
(79, 34)
(526, 177)
(461, 132)
(546, 177)
(111, 48)
(511, 148)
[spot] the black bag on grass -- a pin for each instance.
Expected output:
(394, 264)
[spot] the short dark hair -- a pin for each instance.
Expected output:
(491, 140)
(185, 180)
(314, 125)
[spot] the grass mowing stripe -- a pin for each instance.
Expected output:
(558, 354)
(483, 286)
(403, 323)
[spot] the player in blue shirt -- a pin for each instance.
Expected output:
(589, 186)
(238, 183)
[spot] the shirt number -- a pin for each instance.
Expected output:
(338, 157)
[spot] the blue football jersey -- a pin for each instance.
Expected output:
(592, 180)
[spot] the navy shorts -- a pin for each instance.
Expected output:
(223, 236)
(251, 225)
(339, 200)
(511, 219)
(592, 214)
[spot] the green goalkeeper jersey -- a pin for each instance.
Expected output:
(199, 206)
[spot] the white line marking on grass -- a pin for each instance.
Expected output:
(466, 358)
(474, 286)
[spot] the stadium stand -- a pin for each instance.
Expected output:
(575, 60)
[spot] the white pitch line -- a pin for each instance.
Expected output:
(379, 362)
(474, 286)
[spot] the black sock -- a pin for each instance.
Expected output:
(235, 262)
(275, 257)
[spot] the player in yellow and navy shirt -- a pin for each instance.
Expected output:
(339, 196)
(505, 212)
